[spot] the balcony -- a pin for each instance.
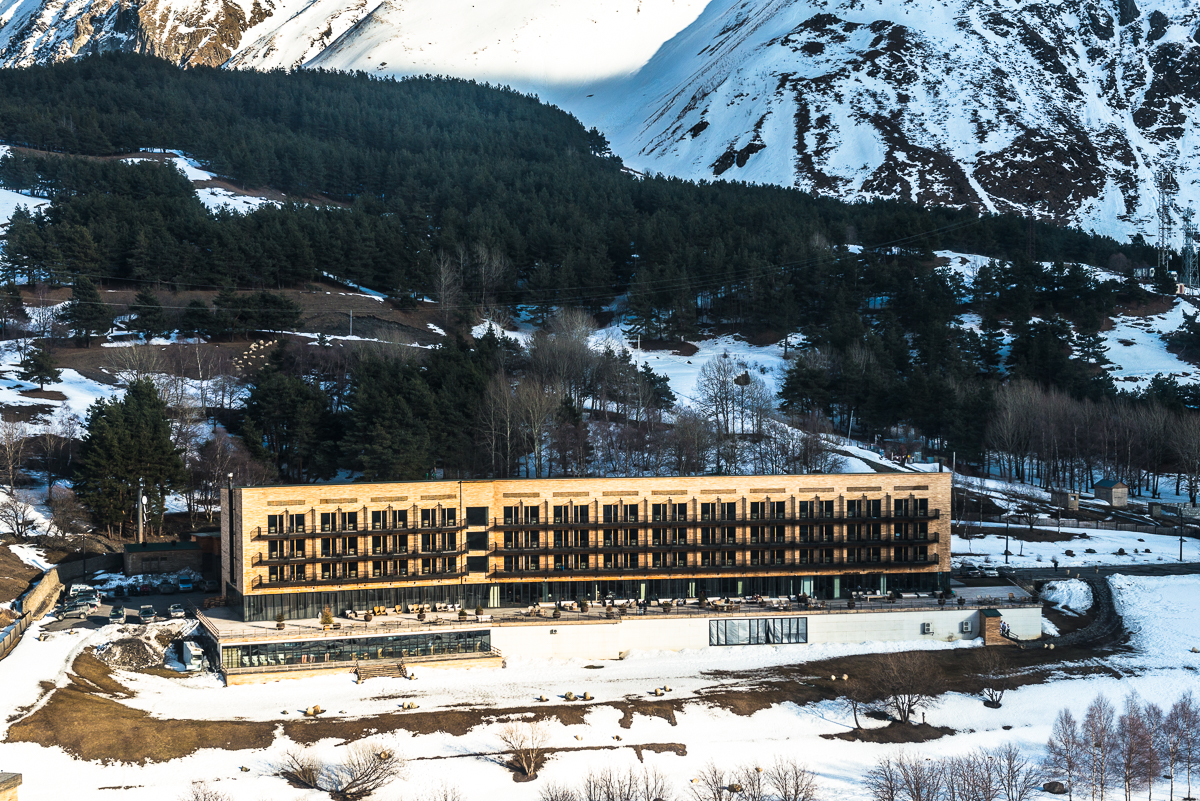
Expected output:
(261, 582)
(675, 570)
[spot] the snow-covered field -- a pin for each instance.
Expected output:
(1161, 547)
(1163, 614)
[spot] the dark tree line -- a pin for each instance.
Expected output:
(439, 166)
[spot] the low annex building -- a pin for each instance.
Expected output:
(296, 550)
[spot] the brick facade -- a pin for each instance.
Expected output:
(455, 534)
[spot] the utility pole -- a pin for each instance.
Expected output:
(141, 513)
(352, 322)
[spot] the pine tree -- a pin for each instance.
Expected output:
(127, 441)
(38, 367)
(149, 318)
(12, 308)
(86, 314)
(197, 320)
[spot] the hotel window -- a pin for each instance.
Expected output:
(274, 524)
(611, 513)
(804, 509)
(864, 508)
(708, 536)
(350, 521)
(328, 521)
(823, 534)
(570, 514)
(729, 535)
(668, 511)
(763, 510)
(777, 534)
(718, 511)
(823, 508)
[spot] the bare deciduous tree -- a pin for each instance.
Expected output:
(1064, 751)
(14, 436)
(712, 784)
(16, 512)
(301, 767)
(203, 792)
(994, 666)
(527, 743)
(557, 792)
(910, 682)
(364, 770)
(1016, 775)
(790, 780)
(1098, 733)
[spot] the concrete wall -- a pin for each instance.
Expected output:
(608, 640)
(173, 561)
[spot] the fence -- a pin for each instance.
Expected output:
(973, 527)
(35, 603)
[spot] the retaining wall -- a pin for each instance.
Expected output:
(35, 603)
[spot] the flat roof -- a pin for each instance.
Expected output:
(142, 547)
(352, 483)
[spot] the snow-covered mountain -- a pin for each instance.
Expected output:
(1063, 107)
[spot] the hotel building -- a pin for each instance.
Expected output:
(294, 550)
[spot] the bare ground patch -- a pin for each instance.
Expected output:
(894, 732)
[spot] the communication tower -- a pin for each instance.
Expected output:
(1163, 180)
(1191, 275)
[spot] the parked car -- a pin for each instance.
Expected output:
(168, 588)
(210, 585)
(967, 568)
(146, 614)
(75, 610)
(116, 614)
(121, 591)
(177, 611)
(1006, 570)
(75, 589)
(89, 597)
(145, 588)
(989, 572)
(185, 585)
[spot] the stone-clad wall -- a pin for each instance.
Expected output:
(252, 505)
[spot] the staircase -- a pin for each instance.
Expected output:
(375, 670)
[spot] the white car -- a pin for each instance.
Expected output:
(990, 572)
(177, 611)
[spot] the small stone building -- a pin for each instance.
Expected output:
(1067, 500)
(1113, 491)
(162, 557)
(9, 782)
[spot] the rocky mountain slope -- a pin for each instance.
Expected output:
(1065, 109)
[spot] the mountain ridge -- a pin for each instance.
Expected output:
(1063, 111)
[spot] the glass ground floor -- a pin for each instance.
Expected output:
(354, 649)
(301, 605)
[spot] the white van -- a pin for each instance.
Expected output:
(193, 656)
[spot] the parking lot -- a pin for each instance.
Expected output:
(159, 601)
